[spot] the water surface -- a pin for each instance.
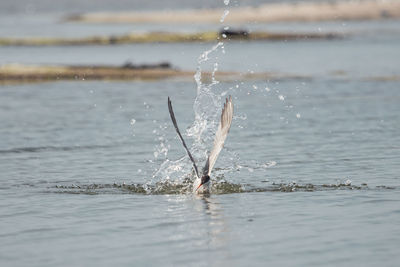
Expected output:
(313, 161)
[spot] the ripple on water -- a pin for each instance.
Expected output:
(217, 187)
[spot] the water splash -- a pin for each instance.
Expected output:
(226, 12)
(219, 186)
(207, 102)
(207, 108)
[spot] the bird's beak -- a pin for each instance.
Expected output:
(198, 187)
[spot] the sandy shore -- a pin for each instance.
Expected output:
(16, 73)
(314, 11)
(164, 37)
(29, 73)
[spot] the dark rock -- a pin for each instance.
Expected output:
(232, 33)
(161, 65)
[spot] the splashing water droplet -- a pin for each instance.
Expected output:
(281, 97)
(241, 117)
(226, 12)
(226, 2)
(133, 121)
(269, 164)
(298, 115)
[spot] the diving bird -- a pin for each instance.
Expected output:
(202, 183)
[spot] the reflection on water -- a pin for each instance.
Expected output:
(216, 229)
(216, 223)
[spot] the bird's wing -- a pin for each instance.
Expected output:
(171, 112)
(220, 135)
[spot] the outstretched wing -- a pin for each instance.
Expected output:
(171, 112)
(220, 136)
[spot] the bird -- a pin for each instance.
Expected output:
(202, 181)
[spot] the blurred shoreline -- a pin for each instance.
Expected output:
(274, 12)
(18, 73)
(167, 37)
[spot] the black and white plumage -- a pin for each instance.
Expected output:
(202, 184)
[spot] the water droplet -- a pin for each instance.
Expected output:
(223, 35)
(298, 115)
(226, 12)
(255, 87)
(133, 121)
(281, 97)
(267, 89)
(226, 2)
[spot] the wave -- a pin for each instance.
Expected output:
(50, 148)
(217, 187)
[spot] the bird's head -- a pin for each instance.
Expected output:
(205, 179)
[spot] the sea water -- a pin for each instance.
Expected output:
(92, 172)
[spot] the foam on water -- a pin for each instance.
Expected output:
(219, 186)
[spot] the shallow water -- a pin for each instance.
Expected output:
(75, 6)
(71, 134)
(92, 172)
